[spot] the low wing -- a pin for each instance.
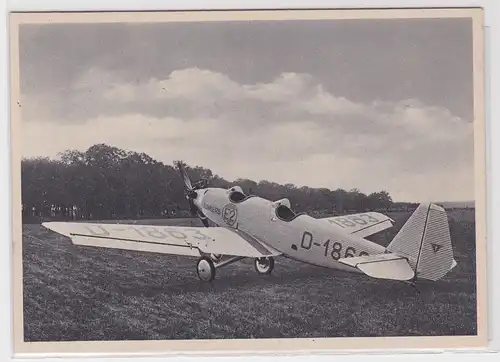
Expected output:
(382, 266)
(363, 224)
(189, 241)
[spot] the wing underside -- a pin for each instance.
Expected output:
(188, 241)
(363, 224)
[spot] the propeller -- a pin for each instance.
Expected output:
(191, 194)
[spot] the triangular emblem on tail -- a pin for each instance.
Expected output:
(436, 247)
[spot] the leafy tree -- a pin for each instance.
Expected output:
(108, 182)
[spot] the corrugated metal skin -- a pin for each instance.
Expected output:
(425, 240)
(408, 240)
(436, 257)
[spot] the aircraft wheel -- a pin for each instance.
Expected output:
(264, 265)
(205, 269)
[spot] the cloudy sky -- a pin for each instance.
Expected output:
(368, 104)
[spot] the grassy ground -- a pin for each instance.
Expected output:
(75, 293)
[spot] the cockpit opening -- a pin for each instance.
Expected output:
(236, 194)
(285, 213)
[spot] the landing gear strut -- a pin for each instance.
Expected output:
(216, 258)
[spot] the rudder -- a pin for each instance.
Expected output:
(425, 241)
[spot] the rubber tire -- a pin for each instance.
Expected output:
(269, 270)
(210, 265)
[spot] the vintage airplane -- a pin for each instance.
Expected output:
(252, 227)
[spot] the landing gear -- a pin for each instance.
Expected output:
(205, 269)
(208, 264)
(264, 265)
(412, 283)
(414, 286)
(216, 258)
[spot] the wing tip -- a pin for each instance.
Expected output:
(57, 226)
(48, 225)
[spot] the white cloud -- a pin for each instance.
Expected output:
(287, 130)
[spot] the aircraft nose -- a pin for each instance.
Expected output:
(198, 198)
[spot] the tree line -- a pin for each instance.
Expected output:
(106, 182)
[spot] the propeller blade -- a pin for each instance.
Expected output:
(192, 194)
(192, 207)
(184, 175)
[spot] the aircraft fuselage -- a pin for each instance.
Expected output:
(300, 237)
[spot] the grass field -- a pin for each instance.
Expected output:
(76, 293)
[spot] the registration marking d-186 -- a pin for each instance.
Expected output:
(332, 248)
(146, 232)
(353, 220)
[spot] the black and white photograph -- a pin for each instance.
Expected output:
(249, 176)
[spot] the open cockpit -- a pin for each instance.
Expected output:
(284, 211)
(236, 195)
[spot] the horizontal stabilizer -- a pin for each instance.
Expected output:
(382, 266)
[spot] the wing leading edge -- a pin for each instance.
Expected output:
(188, 241)
(362, 224)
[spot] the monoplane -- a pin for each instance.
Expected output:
(248, 226)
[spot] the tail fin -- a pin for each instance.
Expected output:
(425, 240)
